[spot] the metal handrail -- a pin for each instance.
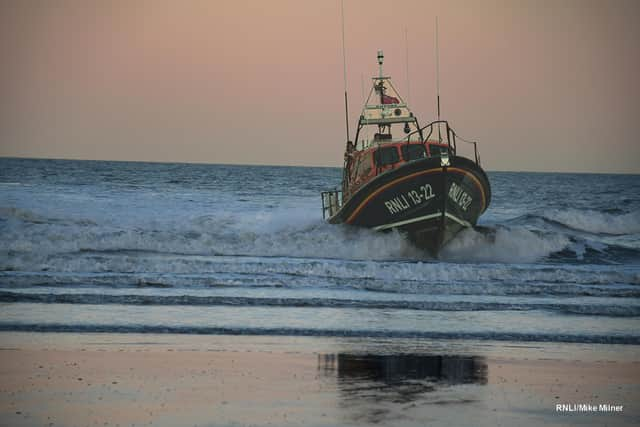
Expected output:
(452, 137)
(426, 126)
(331, 202)
(474, 143)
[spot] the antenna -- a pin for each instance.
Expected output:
(438, 80)
(406, 44)
(344, 70)
(380, 84)
(437, 70)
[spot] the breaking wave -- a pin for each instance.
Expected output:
(32, 242)
(287, 233)
(597, 222)
(505, 245)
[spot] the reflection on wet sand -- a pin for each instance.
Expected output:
(373, 387)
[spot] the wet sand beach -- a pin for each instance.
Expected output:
(169, 380)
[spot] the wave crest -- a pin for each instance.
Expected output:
(503, 245)
(300, 233)
(597, 222)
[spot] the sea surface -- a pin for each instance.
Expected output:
(92, 246)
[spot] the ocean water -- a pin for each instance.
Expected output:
(89, 246)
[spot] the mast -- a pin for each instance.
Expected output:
(344, 71)
(381, 75)
(438, 80)
(406, 45)
(437, 70)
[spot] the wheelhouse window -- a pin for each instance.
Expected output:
(413, 152)
(386, 156)
(382, 137)
(363, 168)
(437, 150)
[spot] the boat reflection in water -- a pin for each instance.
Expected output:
(375, 388)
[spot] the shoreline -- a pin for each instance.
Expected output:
(144, 379)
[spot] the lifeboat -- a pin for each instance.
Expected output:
(399, 175)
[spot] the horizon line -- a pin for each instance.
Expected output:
(196, 162)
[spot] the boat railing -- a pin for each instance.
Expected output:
(331, 203)
(440, 131)
(476, 154)
(433, 128)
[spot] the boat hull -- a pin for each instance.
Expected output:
(431, 203)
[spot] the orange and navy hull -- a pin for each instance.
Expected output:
(429, 202)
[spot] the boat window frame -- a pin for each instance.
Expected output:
(376, 156)
(405, 149)
(364, 167)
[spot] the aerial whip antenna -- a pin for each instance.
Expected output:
(438, 78)
(437, 70)
(344, 70)
(406, 44)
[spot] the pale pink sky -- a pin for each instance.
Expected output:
(543, 85)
